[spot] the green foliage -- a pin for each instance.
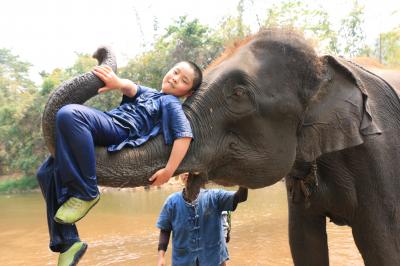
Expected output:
(13, 74)
(299, 15)
(388, 48)
(16, 94)
(22, 184)
(28, 148)
(52, 80)
(351, 31)
(232, 28)
(183, 40)
(84, 63)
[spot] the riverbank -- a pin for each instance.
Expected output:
(18, 183)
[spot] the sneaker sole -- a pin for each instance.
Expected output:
(79, 254)
(62, 222)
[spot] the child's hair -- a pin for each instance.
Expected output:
(198, 75)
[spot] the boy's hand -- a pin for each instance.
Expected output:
(161, 261)
(160, 177)
(179, 149)
(161, 258)
(108, 76)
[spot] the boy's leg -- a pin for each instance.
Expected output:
(78, 130)
(61, 235)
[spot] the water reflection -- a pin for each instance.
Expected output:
(120, 230)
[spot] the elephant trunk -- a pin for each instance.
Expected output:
(77, 90)
(131, 167)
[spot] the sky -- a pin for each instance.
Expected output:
(49, 33)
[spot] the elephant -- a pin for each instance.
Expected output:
(272, 108)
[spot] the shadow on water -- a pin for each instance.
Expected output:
(121, 230)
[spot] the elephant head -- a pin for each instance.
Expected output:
(263, 105)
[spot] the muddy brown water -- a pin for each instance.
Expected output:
(121, 230)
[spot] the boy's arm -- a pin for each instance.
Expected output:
(162, 246)
(179, 149)
(239, 196)
(163, 240)
(113, 82)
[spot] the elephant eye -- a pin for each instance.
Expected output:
(239, 100)
(238, 92)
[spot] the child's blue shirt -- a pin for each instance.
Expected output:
(147, 114)
(196, 227)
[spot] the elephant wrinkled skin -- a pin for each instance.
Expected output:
(271, 108)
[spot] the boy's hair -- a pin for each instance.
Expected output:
(198, 75)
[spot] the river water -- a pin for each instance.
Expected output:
(121, 230)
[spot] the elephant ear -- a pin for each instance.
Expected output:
(338, 116)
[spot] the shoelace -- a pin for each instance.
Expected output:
(74, 203)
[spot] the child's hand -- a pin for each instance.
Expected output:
(160, 177)
(161, 259)
(108, 76)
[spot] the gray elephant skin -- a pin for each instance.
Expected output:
(272, 108)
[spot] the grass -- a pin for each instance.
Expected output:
(24, 183)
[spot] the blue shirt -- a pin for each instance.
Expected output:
(147, 114)
(196, 227)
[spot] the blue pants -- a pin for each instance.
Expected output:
(72, 173)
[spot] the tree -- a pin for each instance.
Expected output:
(184, 40)
(16, 94)
(189, 40)
(51, 80)
(351, 31)
(14, 74)
(388, 47)
(232, 28)
(314, 22)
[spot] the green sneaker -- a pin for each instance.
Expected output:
(72, 256)
(74, 209)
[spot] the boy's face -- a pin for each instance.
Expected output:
(179, 80)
